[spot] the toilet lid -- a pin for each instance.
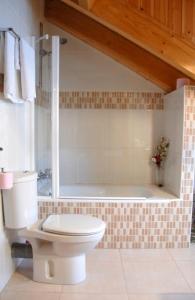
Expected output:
(73, 224)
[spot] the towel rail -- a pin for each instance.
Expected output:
(11, 30)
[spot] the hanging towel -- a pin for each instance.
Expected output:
(17, 55)
(2, 46)
(27, 62)
(11, 76)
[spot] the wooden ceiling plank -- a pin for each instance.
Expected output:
(133, 26)
(111, 43)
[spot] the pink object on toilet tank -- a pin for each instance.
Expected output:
(181, 82)
(6, 180)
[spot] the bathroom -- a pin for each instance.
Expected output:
(90, 135)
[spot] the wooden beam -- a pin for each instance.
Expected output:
(111, 43)
(139, 29)
(86, 3)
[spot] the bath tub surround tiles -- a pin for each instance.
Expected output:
(131, 225)
(146, 225)
(188, 159)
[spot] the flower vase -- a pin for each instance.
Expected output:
(160, 176)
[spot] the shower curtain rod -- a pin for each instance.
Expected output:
(11, 30)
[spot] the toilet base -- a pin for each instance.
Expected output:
(59, 270)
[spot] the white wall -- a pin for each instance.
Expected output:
(173, 130)
(23, 16)
(83, 68)
(111, 146)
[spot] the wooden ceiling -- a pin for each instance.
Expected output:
(176, 16)
(152, 37)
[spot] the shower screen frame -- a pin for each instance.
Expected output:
(55, 80)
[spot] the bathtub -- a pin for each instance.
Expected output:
(106, 192)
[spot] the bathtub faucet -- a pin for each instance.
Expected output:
(46, 174)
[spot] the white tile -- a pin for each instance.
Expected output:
(141, 166)
(93, 296)
(154, 277)
(142, 128)
(145, 255)
(32, 295)
(90, 166)
(103, 277)
(173, 114)
(90, 128)
(165, 296)
(119, 165)
(188, 270)
(21, 282)
(67, 164)
(107, 255)
(119, 129)
(67, 128)
(187, 254)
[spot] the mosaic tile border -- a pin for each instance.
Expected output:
(131, 225)
(105, 100)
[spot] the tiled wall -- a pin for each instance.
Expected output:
(108, 137)
(133, 225)
(173, 130)
(110, 146)
(105, 137)
(160, 225)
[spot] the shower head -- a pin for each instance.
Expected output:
(44, 37)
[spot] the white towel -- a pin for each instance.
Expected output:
(11, 76)
(2, 46)
(17, 55)
(27, 62)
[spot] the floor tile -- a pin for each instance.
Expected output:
(187, 254)
(13, 295)
(140, 255)
(93, 296)
(104, 255)
(102, 277)
(26, 268)
(154, 277)
(188, 270)
(162, 297)
(22, 280)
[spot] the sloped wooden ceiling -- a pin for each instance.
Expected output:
(176, 16)
(128, 36)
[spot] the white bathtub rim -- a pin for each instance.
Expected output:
(107, 200)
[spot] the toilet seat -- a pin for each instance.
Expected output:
(73, 225)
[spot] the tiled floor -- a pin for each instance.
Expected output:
(117, 275)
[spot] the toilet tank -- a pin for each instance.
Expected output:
(20, 202)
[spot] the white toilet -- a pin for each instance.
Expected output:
(59, 243)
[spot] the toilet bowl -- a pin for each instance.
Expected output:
(60, 244)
